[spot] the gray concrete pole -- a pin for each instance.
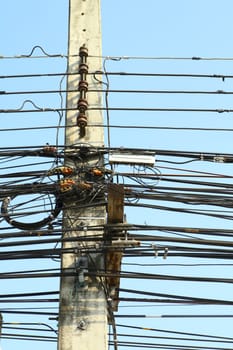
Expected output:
(83, 320)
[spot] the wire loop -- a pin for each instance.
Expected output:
(29, 226)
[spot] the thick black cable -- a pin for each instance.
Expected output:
(24, 337)
(16, 295)
(165, 346)
(34, 225)
(175, 332)
(139, 275)
(174, 296)
(174, 338)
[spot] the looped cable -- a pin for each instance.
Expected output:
(29, 226)
(43, 51)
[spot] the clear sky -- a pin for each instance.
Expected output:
(149, 36)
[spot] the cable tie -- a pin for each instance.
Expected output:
(77, 251)
(219, 159)
(196, 58)
(165, 253)
(201, 157)
(154, 246)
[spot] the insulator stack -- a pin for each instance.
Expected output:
(83, 89)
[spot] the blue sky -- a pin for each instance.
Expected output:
(132, 28)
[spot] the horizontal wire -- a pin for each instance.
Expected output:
(42, 313)
(116, 58)
(39, 150)
(126, 109)
(19, 327)
(121, 74)
(201, 92)
(192, 58)
(16, 295)
(175, 316)
(156, 345)
(200, 335)
(164, 301)
(174, 338)
(25, 337)
(47, 300)
(173, 296)
(121, 126)
(148, 276)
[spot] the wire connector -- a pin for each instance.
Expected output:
(66, 185)
(219, 159)
(62, 170)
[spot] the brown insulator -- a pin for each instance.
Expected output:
(83, 68)
(82, 120)
(82, 105)
(83, 85)
(83, 52)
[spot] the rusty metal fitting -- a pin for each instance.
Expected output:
(84, 185)
(67, 171)
(82, 105)
(50, 149)
(63, 170)
(97, 172)
(82, 120)
(66, 185)
(83, 85)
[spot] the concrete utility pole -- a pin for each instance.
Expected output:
(83, 317)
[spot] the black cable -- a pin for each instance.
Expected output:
(48, 300)
(181, 210)
(200, 335)
(172, 346)
(122, 91)
(74, 149)
(42, 313)
(126, 109)
(121, 74)
(16, 295)
(175, 316)
(173, 338)
(24, 337)
(121, 126)
(30, 226)
(139, 275)
(182, 298)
